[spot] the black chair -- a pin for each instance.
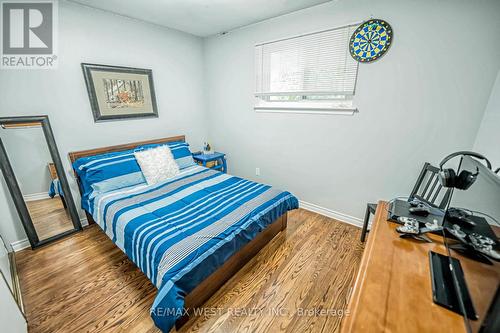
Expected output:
(427, 189)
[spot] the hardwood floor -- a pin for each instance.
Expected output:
(84, 283)
(49, 217)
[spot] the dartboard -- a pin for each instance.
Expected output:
(370, 40)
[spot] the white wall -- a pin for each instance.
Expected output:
(29, 156)
(422, 100)
(488, 138)
(10, 224)
(10, 316)
(87, 35)
(425, 98)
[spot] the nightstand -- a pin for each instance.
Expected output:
(218, 161)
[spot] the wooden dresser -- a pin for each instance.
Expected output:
(393, 290)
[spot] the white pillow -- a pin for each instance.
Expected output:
(157, 164)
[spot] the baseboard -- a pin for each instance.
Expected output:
(36, 196)
(20, 245)
(25, 243)
(84, 222)
(355, 221)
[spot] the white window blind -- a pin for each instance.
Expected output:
(311, 71)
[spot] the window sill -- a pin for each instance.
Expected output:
(307, 110)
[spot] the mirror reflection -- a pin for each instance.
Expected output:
(37, 177)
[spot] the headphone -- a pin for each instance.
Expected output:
(464, 180)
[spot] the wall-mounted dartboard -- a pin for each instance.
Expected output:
(370, 40)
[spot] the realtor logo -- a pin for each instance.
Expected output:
(28, 34)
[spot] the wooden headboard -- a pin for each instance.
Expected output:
(73, 156)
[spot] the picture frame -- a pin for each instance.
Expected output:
(118, 93)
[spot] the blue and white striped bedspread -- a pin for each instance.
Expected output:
(180, 231)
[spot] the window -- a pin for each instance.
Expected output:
(309, 73)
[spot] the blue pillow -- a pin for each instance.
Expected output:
(100, 169)
(118, 182)
(182, 154)
(95, 169)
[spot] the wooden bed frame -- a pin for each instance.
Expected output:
(210, 285)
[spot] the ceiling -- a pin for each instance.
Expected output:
(201, 17)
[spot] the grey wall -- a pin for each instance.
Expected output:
(29, 156)
(488, 137)
(423, 99)
(87, 35)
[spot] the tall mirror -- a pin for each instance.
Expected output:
(33, 170)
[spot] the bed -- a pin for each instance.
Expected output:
(188, 234)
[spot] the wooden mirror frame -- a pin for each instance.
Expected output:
(15, 191)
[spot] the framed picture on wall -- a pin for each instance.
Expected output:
(120, 92)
